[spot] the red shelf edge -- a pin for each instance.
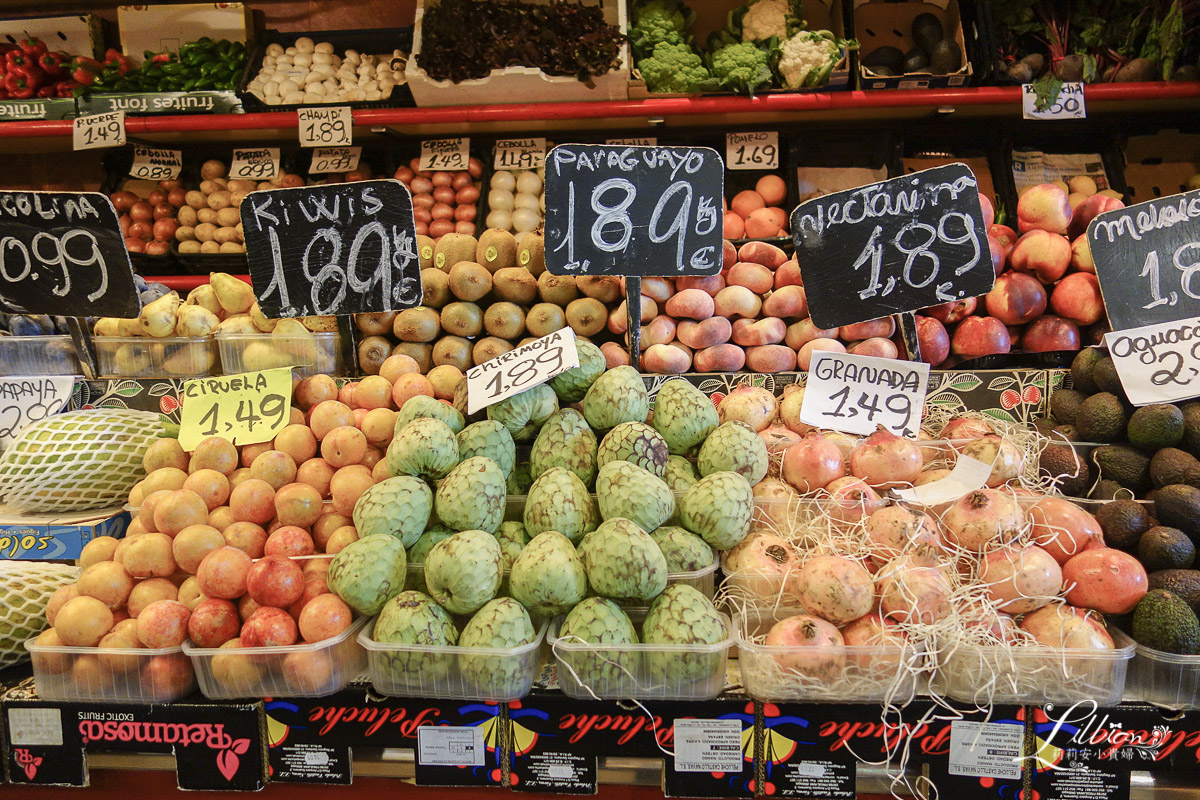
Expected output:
(655, 107)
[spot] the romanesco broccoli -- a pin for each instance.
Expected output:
(659, 21)
(741, 67)
(674, 68)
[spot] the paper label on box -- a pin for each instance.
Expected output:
(521, 369)
(99, 130)
(334, 159)
(447, 746)
(35, 727)
(968, 475)
(250, 408)
(1031, 167)
(1158, 363)
(156, 163)
(24, 401)
(520, 153)
(327, 126)
(1068, 105)
(641, 141)
(255, 164)
(857, 394)
(755, 150)
(708, 745)
(445, 154)
(986, 749)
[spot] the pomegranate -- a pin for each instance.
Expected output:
(982, 518)
(1006, 460)
(753, 405)
(885, 460)
(1062, 528)
(961, 429)
(761, 563)
(1104, 580)
(834, 588)
(1020, 579)
(804, 637)
(895, 529)
(772, 503)
(778, 439)
(851, 499)
(789, 410)
(1067, 627)
(844, 441)
(874, 630)
(913, 594)
(813, 463)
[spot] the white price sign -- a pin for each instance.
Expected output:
(1068, 105)
(334, 159)
(520, 369)
(1158, 363)
(643, 141)
(326, 126)
(24, 401)
(446, 746)
(445, 154)
(968, 475)
(99, 130)
(255, 164)
(708, 745)
(857, 394)
(156, 163)
(986, 749)
(520, 154)
(759, 150)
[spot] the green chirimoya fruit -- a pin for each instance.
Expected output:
(421, 405)
(734, 447)
(718, 509)
(412, 617)
(558, 501)
(598, 621)
(523, 414)
(573, 384)
(547, 577)
(490, 440)
(472, 496)
(503, 624)
(637, 443)
(399, 507)
(626, 490)
(619, 395)
(684, 551)
(683, 415)
(623, 562)
(425, 448)
(565, 440)
(682, 615)
(463, 572)
(368, 572)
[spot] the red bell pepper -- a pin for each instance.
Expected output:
(54, 64)
(32, 47)
(49, 90)
(115, 59)
(15, 58)
(160, 58)
(84, 70)
(66, 88)
(18, 86)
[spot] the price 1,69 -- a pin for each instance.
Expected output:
(765, 156)
(269, 409)
(898, 406)
(525, 370)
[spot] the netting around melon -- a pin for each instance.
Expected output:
(27, 586)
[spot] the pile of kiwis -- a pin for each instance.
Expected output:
(482, 298)
(933, 52)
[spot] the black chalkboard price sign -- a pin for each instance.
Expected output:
(63, 253)
(893, 246)
(629, 210)
(1147, 259)
(344, 248)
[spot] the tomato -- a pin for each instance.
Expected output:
(1104, 579)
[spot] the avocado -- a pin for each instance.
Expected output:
(1106, 378)
(915, 60)
(1101, 418)
(945, 57)
(1068, 432)
(887, 56)
(1063, 465)
(1154, 427)
(1191, 428)
(927, 31)
(1123, 523)
(881, 72)
(1179, 506)
(1081, 370)
(1064, 405)
(1107, 490)
(1182, 582)
(1172, 465)
(1163, 621)
(1165, 548)
(1125, 465)
(1043, 425)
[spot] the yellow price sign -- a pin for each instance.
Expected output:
(245, 409)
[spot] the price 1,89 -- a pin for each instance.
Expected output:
(524, 371)
(1150, 271)
(922, 266)
(326, 132)
(267, 409)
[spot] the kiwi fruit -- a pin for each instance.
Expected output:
(469, 281)
(557, 289)
(927, 31)
(418, 352)
(452, 350)
(586, 316)
(531, 253)
(505, 320)
(425, 248)
(462, 319)
(515, 285)
(372, 352)
(420, 324)
(544, 318)
(496, 249)
(453, 248)
(435, 288)
(605, 288)
(488, 348)
(376, 324)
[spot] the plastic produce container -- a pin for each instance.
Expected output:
(640, 671)
(116, 675)
(249, 352)
(297, 670)
(496, 674)
(147, 357)
(38, 355)
(1165, 679)
(1004, 674)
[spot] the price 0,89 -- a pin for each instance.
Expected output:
(268, 410)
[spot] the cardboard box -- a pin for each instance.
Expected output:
(54, 537)
(1160, 164)
(76, 34)
(165, 27)
(878, 23)
(518, 84)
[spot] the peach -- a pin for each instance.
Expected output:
(1049, 333)
(1046, 255)
(789, 301)
(710, 285)
(1004, 235)
(1081, 254)
(737, 301)
(1044, 207)
(614, 356)
(750, 333)
(876, 347)
(658, 289)
(691, 304)
(1077, 298)
(720, 358)
(882, 327)
(999, 255)
(788, 274)
(1090, 209)
(728, 254)
(933, 339)
(660, 330)
(707, 333)
(802, 332)
(762, 223)
(754, 277)
(665, 359)
(1016, 298)
(952, 311)
(980, 336)
(764, 253)
(804, 355)
(989, 211)
(770, 358)
(732, 226)
(745, 202)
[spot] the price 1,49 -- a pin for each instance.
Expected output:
(898, 404)
(266, 409)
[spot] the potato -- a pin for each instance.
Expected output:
(228, 217)
(691, 304)
(750, 332)
(186, 215)
(190, 247)
(206, 214)
(707, 333)
(223, 235)
(195, 200)
(770, 358)
(666, 359)
(212, 169)
(185, 233)
(232, 247)
(210, 247)
(721, 358)
(218, 200)
(209, 188)
(737, 301)
(205, 232)
(788, 302)
(754, 277)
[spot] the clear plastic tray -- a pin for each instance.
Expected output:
(297, 670)
(1165, 679)
(319, 353)
(1031, 674)
(453, 673)
(640, 671)
(148, 357)
(845, 673)
(38, 355)
(111, 675)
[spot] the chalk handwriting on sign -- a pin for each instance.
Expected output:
(893, 246)
(633, 210)
(857, 394)
(343, 248)
(520, 369)
(24, 401)
(1147, 259)
(255, 164)
(156, 163)
(245, 409)
(758, 150)
(63, 253)
(1158, 363)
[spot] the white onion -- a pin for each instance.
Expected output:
(525, 219)
(525, 200)
(529, 182)
(500, 200)
(499, 218)
(504, 180)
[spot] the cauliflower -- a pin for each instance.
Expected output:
(741, 67)
(764, 19)
(673, 68)
(807, 59)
